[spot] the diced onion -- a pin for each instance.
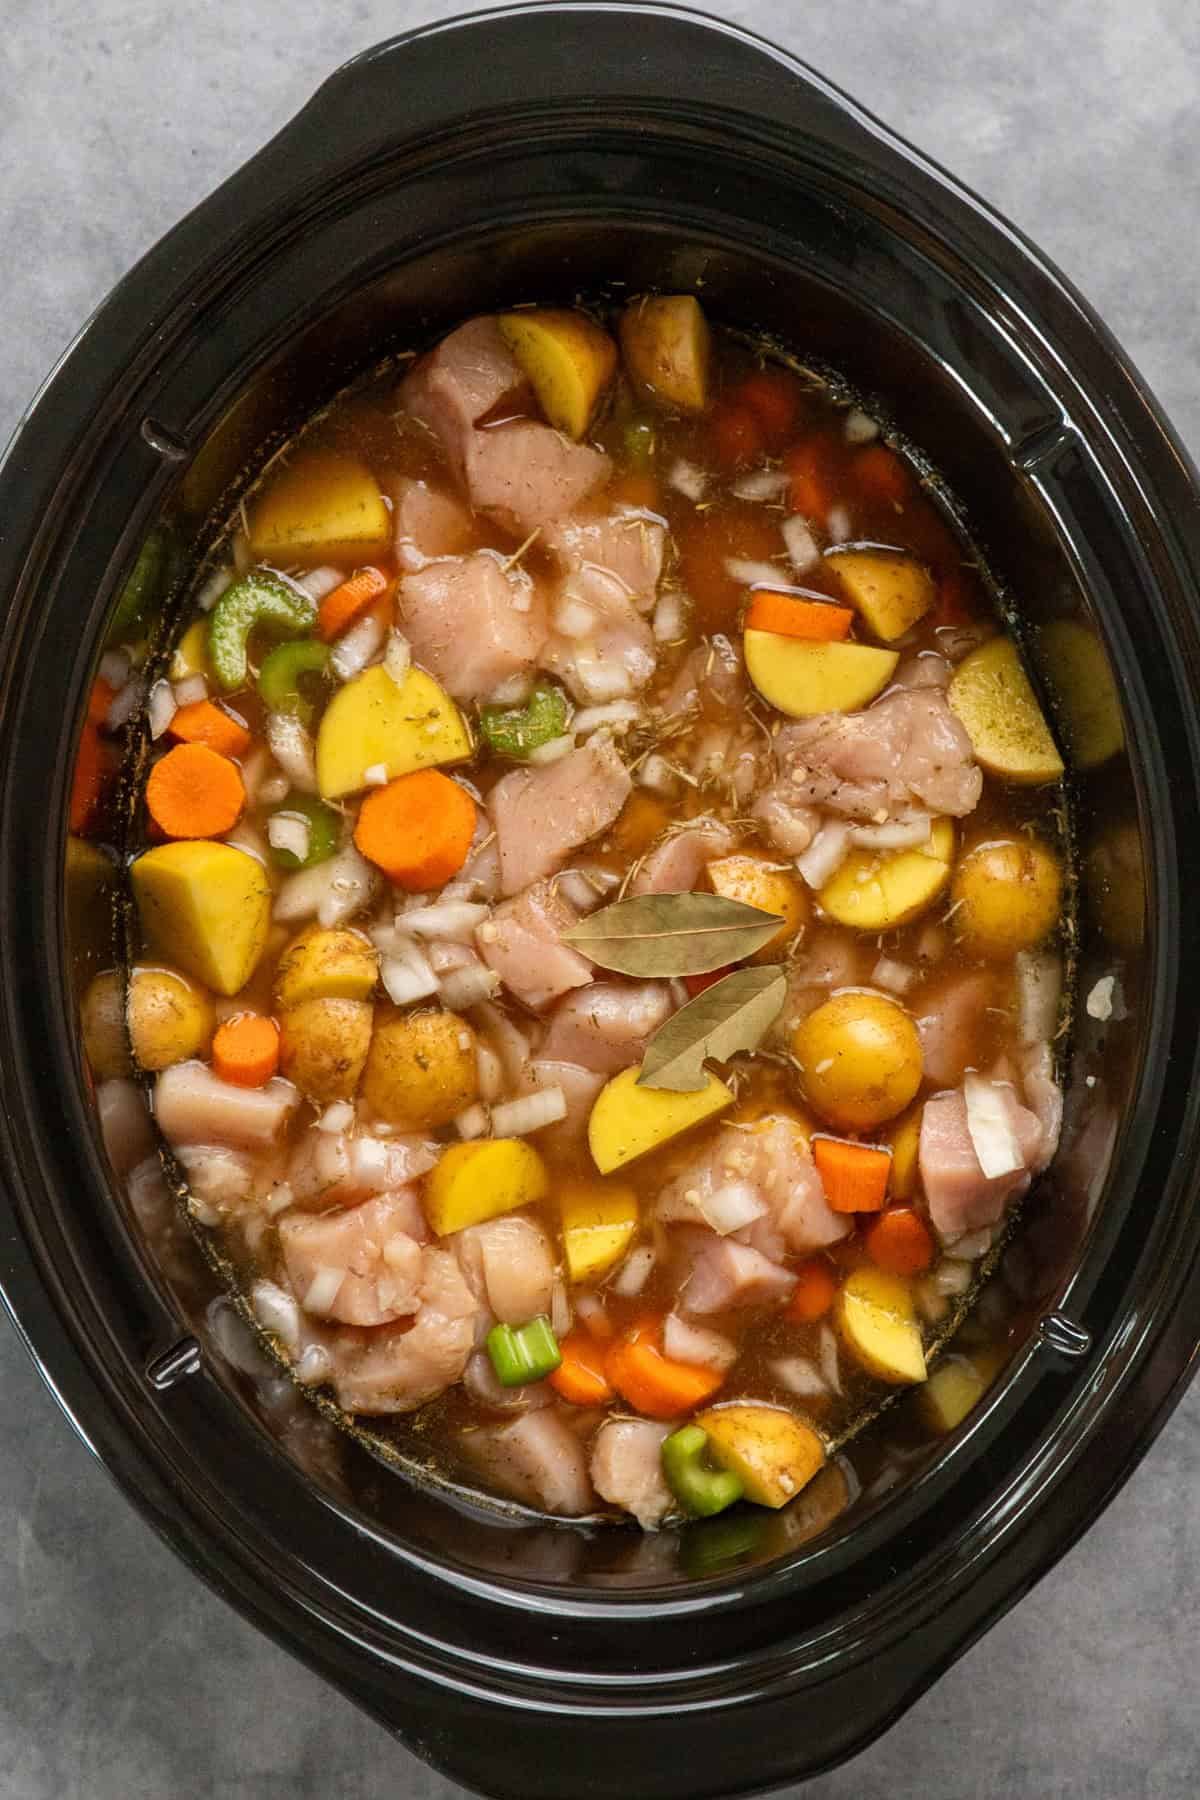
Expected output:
(577, 890)
(337, 1117)
(455, 919)
(600, 677)
(489, 1072)
(825, 855)
(953, 1276)
(802, 547)
(292, 749)
(635, 1271)
(895, 834)
(191, 689)
(762, 484)
(897, 977)
(289, 831)
(973, 1244)
(1039, 986)
(515, 1118)
(990, 1128)
(669, 622)
(351, 884)
(590, 1308)
(214, 587)
(551, 751)
(279, 1199)
(839, 524)
(473, 1123)
(323, 1289)
(162, 708)
(694, 1344)
(617, 715)
(573, 619)
(467, 987)
(358, 647)
(317, 583)
(407, 975)
(397, 657)
(560, 1310)
(827, 1350)
(376, 775)
(277, 1311)
(687, 480)
(860, 427)
(114, 667)
(932, 1305)
(657, 775)
(751, 573)
(1099, 1002)
(125, 704)
(314, 1364)
(513, 692)
(798, 1375)
(730, 1207)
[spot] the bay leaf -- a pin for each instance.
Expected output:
(672, 934)
(734, 1014)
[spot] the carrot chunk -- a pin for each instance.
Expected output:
(194, 793)
(652, 1382)
(854, 1176)
(900, 1242)
(774, 397)
(580, 1377)
(789, 617)
(736, 436)
(880, 473)
(246, 1050)
(339, 609)
(814, 1293)
(808, 470)
(201, 722)
(417, 829)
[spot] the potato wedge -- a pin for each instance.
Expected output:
(802, 678)
(760, 882)
(323, 507)
(473, 1182)
(326, 965)
(371, 722)
(422, 1069)
(889, 590)
(991, 695)
(170, 1018)
(205, 907)
(191, 652)
(950, 1392)
(1080, 675)
(599, 1219)
(323, 1045)
(568, 358)
(770, 1450)
(904, 1137)
(628, 1121)
(667, 349)
(876, 890)
(878, 1322)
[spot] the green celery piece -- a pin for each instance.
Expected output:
(260, 599)
(322, 833)
(699, 1489)
(527, 1353)
(516, 730)
(281, 673)
(638, 439)
(140, 591)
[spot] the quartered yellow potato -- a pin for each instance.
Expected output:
(889, 590)
(757, 881)
(473, 1182)
(991, 694)
(802, 678)
(599, 1219)
(325, 964)
(206, 907)
(170, 1018)
(1080, 675)
(323, 507)
(374, 723)
(323, 1045)
(568, 358)
(904, 1139)
(772, 1451)
(950, 1392)
(191, 652)
(877, 1320)
(422, 1070)
(666, 345)
(875, 890)
(1007, 896)
(627, 1120)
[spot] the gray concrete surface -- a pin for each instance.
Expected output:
(120, 1678)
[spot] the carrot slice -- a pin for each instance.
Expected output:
(417, 829)
(737, 436)
(880, 473)
(854, 1176)
(790, 617)
(807, 466)
(246, 1050)
(201, 722)
(100, 699)
(814, 1293)
(900, 1242)
(194, 793)
(339, 609)
(652, 1382)
(580, 1376)
(774, 397)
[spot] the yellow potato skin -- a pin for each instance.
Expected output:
(205, 907)
(372, 720)
(569, 361)
(758, 882)
(875, 1314)
(323, 507)
(191, 652)
(474, 1182)
(1078, 670)
(667, 348)
(170, 1018)
(325, 964)
(323, 1045)
(628, 1121)
(950, 1392)
(773, 1453)
(890, 591)
(802, 678)
(905, 1141)
(1006, 896)
(875, 890)
(422, 1069)
(101, 1021)
(991, 695)
(860, 1060)
(599, 1220)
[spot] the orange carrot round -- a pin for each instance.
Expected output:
(339, 609)
(814, 1293)
(580, 1376)
(900, 1242)
(774, 398)
(737, 436)
(194, 793)
(652, 1382)
(811, 619)
(246, 1050)
(417, 829)
(854, 1176)
(880, 473)
(203, 723)
(808, 468)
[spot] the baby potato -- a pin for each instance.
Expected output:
(860, 1060)
(421, 1070)
(759, 882)
(105, 1042)
(325, 964)
(170, 1018)
(666, 345)
(875, 1314)
(1006, 896)
(569, 361)
(323, 1045)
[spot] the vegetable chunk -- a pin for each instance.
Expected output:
(474, 1182)
(326, 965)
(802, 678)
(666, 345)
(759, 882)
(569, 361)
(627, 1121)
(374, 723)
(323, 1046)
(206, 907)
(599, 1220)
(324, 507)
(421, 1071)
(773, 1453)
(877, 1319)
(1007, 897)
(876, 891)
(891, 592)
(992, 696)
(860, 1060)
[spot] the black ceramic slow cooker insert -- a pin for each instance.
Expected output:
(539, 152)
